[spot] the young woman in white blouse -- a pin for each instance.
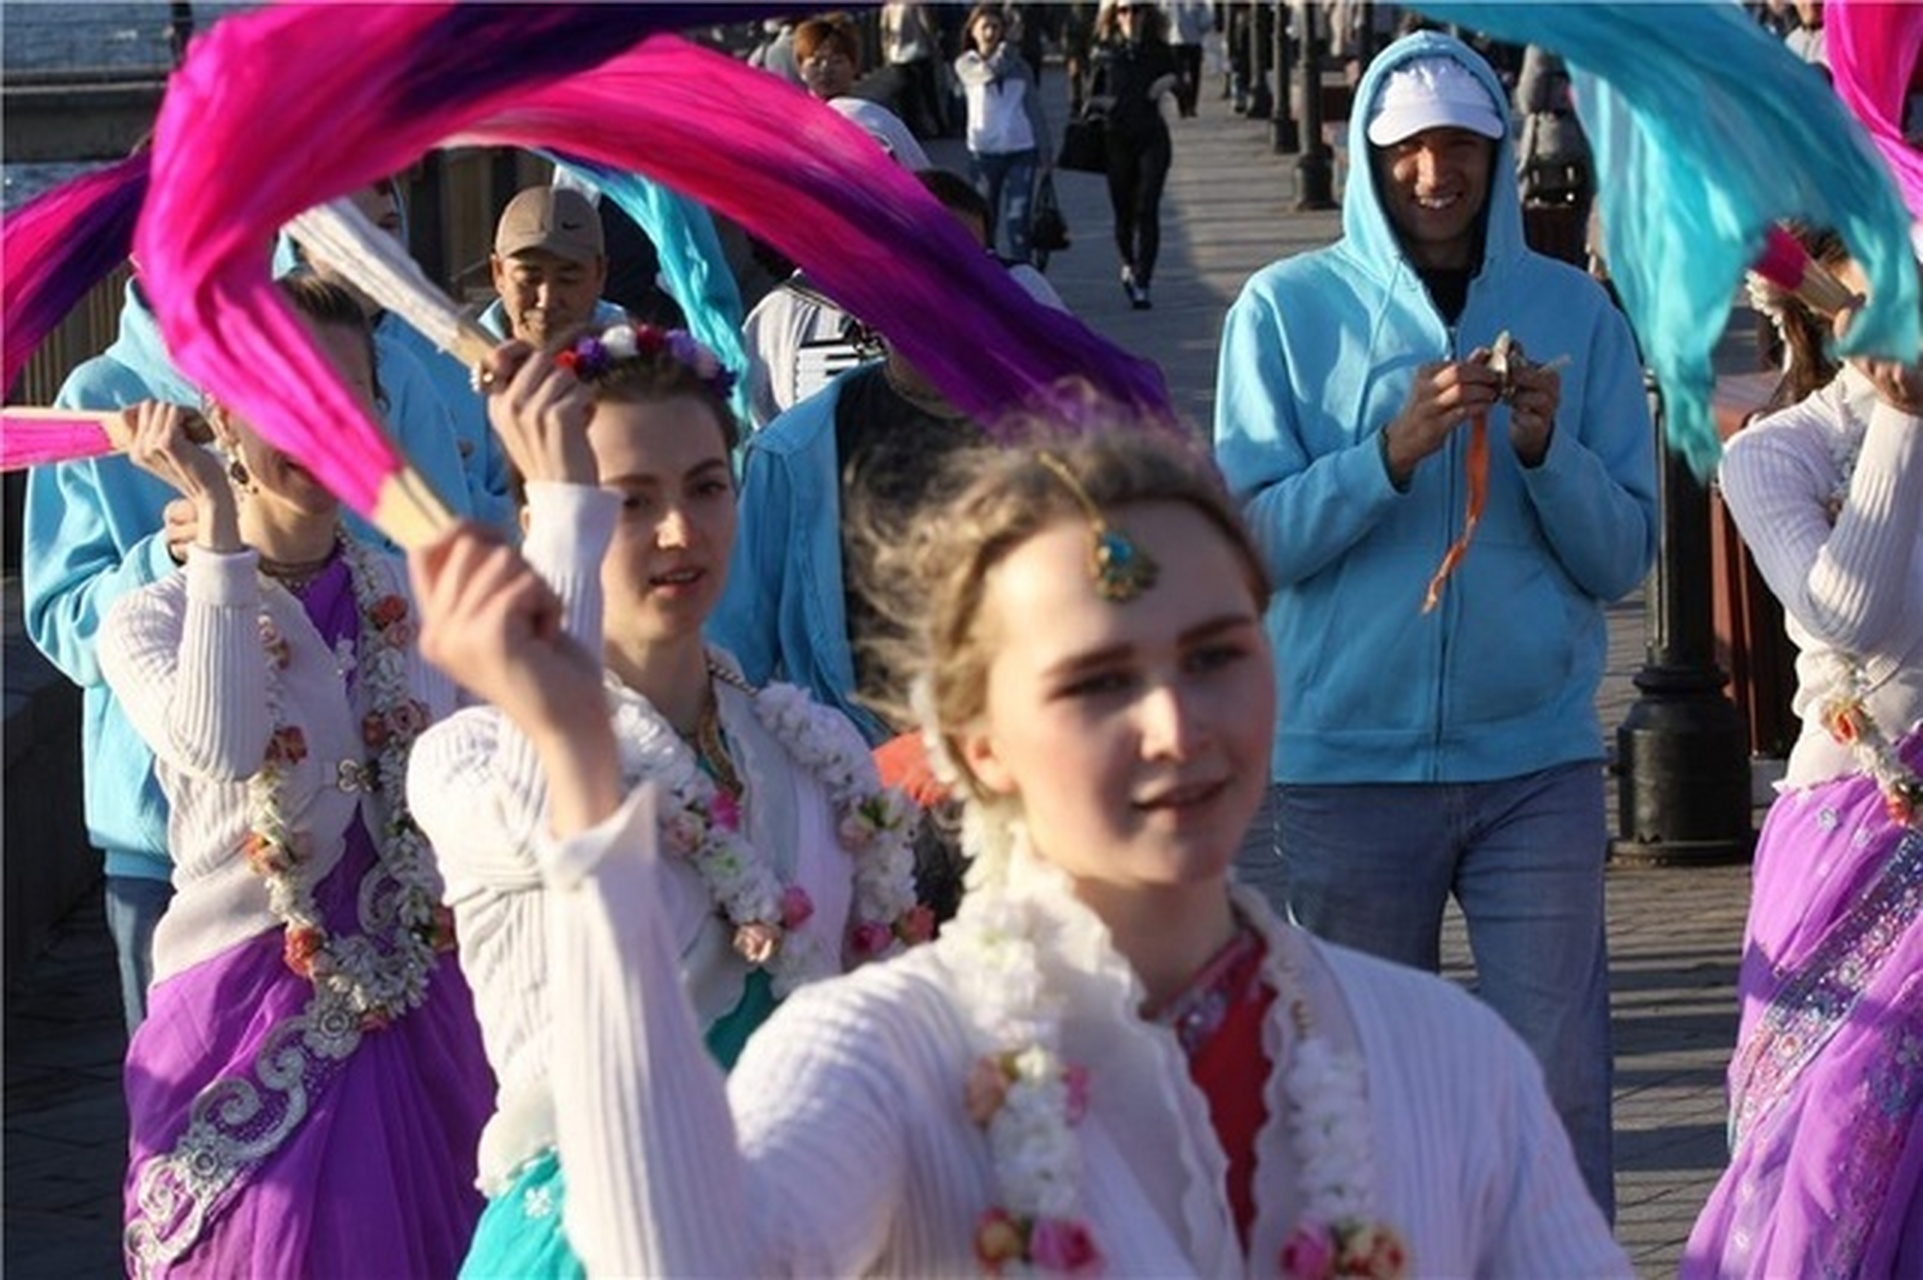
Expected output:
(305, 1095)
(1111, 1058)
(1826, 1085)
(792, 864)
(1007, 134)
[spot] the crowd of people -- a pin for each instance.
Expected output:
(855, 837)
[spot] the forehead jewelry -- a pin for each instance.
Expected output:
(1121, 570)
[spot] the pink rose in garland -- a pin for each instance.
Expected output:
(1064, 1245)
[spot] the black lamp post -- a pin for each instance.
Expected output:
(1282, 131)
(1258, 83)
(1683, 749)
(1314, 171)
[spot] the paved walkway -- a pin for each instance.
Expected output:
(1674, 933)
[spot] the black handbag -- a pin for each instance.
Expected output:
(1084, 145)
(1047, 229)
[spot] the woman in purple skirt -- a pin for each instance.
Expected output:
(1826, 1086)
(306, 1093)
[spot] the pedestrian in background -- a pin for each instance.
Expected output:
(1134, 70)
(1007, 133)
(911, 44)
(1189, 23)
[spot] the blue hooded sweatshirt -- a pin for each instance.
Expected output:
(1319, 353)
(92, 533)
(482, 458)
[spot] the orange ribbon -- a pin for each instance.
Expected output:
(1475, 465)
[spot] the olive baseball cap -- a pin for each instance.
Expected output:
(558, 220)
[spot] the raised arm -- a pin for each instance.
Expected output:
(186, 660)
(1842, 581)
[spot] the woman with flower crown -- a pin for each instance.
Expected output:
(789, 861)
(305, 1095)
(1826, 1084)
(1111, 1059)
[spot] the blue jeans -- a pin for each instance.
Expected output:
(134, 906)
(1006, 179)
(1372, 867)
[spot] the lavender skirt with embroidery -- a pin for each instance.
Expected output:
(1826, 1086)
(377, 1177)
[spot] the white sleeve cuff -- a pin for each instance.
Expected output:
(566, 863)
(223, 578)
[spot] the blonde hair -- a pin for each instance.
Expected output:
(930, 578)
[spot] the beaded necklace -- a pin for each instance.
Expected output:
(702, 824)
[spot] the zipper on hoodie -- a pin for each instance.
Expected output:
(1454, 472)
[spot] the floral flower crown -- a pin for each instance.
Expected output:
(593, 356)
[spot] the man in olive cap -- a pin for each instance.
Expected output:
(549, 265)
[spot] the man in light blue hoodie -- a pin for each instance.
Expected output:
(1420, 752)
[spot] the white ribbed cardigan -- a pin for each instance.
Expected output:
(475, 787)
(840, 1144)
(1857, 586)
(184, 657)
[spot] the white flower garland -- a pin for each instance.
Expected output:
(1029, 1101)
(377, 981)
(1027, 1098)
(875, 825)
(1845, 713)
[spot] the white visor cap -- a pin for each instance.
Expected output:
(1433, 93)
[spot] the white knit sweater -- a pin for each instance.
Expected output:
(1856, 587)
(475, 786)
(184, 657)
(840, 1144)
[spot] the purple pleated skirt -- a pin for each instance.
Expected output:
(373, 1176)
(1826, 1086)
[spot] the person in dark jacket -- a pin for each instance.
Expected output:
(1134, 70)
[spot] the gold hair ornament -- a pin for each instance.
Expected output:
(1121, 570)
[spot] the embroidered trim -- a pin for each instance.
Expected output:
(1811, 1004)
(1891, 1095)
(1199, 1011)
(236, 1122)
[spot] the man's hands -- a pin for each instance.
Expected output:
(1447, 394)
(1535, 393)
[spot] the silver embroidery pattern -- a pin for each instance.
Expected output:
(236, 1122)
